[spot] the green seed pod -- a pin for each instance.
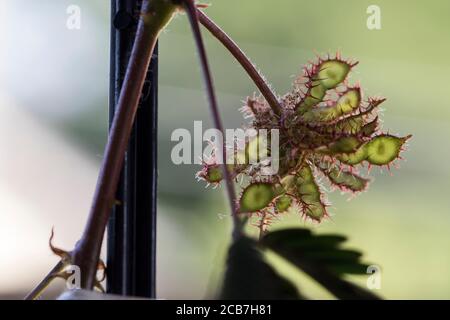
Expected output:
(370, 128)
(256, 196)
(344, 145)
(304, 174)
(324, 125)
(344, 179)
(353, 158)
(351, 125)
(323, 76)
(309, 194)
(381, 150)
(357, 124)
(315, 210)
(333, 72)
(212, 174)
(384, 149)
(283, 203)
(315, 96)
(288, 183)
(346, 104)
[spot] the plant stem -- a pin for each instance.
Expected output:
(262, 226)
(34, 294)
(154, 16)
(192, 13)
(245, 62)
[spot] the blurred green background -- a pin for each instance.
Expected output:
(401, 223)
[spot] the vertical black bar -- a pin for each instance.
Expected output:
(131, 254)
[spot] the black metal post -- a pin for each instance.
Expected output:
(131, 253)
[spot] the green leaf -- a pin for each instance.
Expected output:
(321, 258)
(256, 196)
(248, 276)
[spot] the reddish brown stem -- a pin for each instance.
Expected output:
(153, 18)
(192, 13)
(245, 62)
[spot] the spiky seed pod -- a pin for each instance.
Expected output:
(384, 149)
(380, 150)
(333, 72)
(256, 197)
(351, 126)
(322, 76)
(369, 128)
(315, 95)
(354, 124)
(347, 103)
(211, 173)
(283, 203)
(326, 129)
(354, 158)
(343, 145)
(345, 180)
(309, 194)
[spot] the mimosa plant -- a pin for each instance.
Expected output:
(326, 128)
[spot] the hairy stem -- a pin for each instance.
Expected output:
(245, 62)
(192, 13)
(154, 16)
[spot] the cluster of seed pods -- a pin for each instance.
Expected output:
(326, 129)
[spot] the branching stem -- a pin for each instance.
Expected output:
(192, 13)
(152, 20)
(155, 15)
